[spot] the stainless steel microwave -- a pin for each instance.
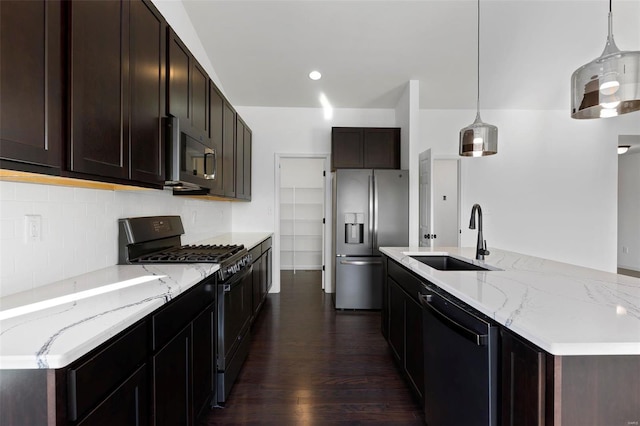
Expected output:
(191, 165)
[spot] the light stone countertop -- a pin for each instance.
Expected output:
(53, 325)
(564, 309)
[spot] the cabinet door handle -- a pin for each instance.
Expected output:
(472, 336)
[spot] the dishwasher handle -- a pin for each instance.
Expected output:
(472, 336)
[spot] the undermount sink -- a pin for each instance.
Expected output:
(448, 263)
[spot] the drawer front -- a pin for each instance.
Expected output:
(179, 312)
(255, 253)
(410, 284)
(266, 244)
(88, 383)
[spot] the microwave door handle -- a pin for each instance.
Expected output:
(215, 164)
(209, 152)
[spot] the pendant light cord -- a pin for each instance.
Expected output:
(478, 64)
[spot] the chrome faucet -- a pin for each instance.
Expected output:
(481, 246)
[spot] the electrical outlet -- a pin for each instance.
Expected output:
(32, 228)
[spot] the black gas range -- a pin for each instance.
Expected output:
(156, 239)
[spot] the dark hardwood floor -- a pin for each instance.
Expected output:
(309, 364)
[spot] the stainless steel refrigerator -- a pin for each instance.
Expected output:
(370, 210)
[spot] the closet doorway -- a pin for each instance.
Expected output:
(302, 206)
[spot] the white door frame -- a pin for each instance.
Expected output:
(327, 283)
(422, 208)
(435, 157)
(460, 163)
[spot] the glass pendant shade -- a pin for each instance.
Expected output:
(478, 139)
(607, 86)
(622, 149)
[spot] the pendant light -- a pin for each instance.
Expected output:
(478, 139)
(622, 149)
(609, 85)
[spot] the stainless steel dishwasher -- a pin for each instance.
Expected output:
(460, 363)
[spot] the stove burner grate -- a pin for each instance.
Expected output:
(192, 254)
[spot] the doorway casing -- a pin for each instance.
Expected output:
(327, 283)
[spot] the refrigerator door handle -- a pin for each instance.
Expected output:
(371, 213)
(375, 214)
(361, 262)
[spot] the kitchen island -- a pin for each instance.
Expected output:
(570, 336)
(50, 334)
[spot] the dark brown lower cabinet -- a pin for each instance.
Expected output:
(126, 406)
(523, 382)
(203, 356)
(171, 381)
(184, 378)
(261, 257)
(404, 316)
(159, 371)
(414, 349)
(257, 281)
(396, 319)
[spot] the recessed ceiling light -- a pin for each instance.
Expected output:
(315, 75)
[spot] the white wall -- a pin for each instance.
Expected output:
(408, 119)
(551, 189)
(80, 228)
(289, 131)
(301, 173)
(629, 211)
(176, 16)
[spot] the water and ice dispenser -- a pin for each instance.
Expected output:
(354, 228)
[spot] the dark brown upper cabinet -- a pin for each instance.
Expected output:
(31, 84)
(248, 136)
(117, 79)
(243, 160)
(216, 110)
(347, 148)
(368, 148)
(188, 90)
(147, 65)
(99, 115)
(229, 150)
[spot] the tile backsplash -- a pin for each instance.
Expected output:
(79, 228)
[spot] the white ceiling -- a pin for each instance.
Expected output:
(367, 50)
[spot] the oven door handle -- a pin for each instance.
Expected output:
(237, 278)
(472, 336)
